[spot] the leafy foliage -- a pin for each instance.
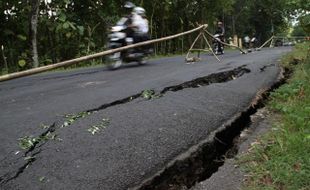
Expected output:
(26, 142)
(71, 118)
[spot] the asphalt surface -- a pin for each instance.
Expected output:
(142, 135)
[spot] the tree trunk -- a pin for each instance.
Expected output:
(4, 59)
(233, 25)
(33, 31)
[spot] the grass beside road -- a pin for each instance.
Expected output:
(280, 159)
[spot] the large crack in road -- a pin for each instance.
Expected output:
(203, 160)
(220, 77)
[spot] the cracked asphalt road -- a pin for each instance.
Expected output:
(142, 136)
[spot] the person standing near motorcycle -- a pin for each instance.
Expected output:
(220, 30)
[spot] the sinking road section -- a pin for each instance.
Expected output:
(143, 136)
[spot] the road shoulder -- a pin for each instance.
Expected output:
(230, 176)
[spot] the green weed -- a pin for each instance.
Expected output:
(97, 128)
(150, 94)
(71, 118)
(26, 142)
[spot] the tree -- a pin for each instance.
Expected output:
(305, 23)
(35, 4)
(298, 31)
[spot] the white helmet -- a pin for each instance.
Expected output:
(139, 10)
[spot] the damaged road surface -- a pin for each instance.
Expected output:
(148, 127)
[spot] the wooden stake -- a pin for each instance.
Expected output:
(192, 46)
(211, 49)
(265, 43)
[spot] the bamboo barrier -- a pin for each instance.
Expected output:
(211, 49)
(194, 59)
(265, 43)
(93, 56)
(226, 44)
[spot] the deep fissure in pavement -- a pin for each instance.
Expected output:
(196, 83)
(202, 162)
(220, 77)
(213, 78)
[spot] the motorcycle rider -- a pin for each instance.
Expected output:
(127, 20)
(125, 33)
(220, 30)
(141, 27)
(141, 24)
(247, 42)
(253, 42)
(136, 22)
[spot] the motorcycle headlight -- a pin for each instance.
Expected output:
(117, 28)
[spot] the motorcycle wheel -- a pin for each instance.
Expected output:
(115, 61)
(115, 64)
(142, 61)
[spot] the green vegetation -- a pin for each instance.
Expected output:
(71, 118)
(59, 30)
(150, 94)
(28, 142)
(42, 179)
(97, 128)
(281, 158)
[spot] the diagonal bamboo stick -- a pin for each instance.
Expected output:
(265, 43)
(211, 49)
(193, 44)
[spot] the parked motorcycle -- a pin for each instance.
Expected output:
(218, 48)
(118, 38)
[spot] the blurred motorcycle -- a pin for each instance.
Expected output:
(218, 48)
(117, 38)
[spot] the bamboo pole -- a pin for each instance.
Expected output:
(204, 36)
(93, 56)
(204, 50)
(192, 46)
(224, 42)
(265, 43)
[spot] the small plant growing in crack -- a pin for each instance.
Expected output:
(43, 126)
(71, 118)
(48, 136)
(150, 94)
(96, 128)
(26, 142)
(42, 179)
